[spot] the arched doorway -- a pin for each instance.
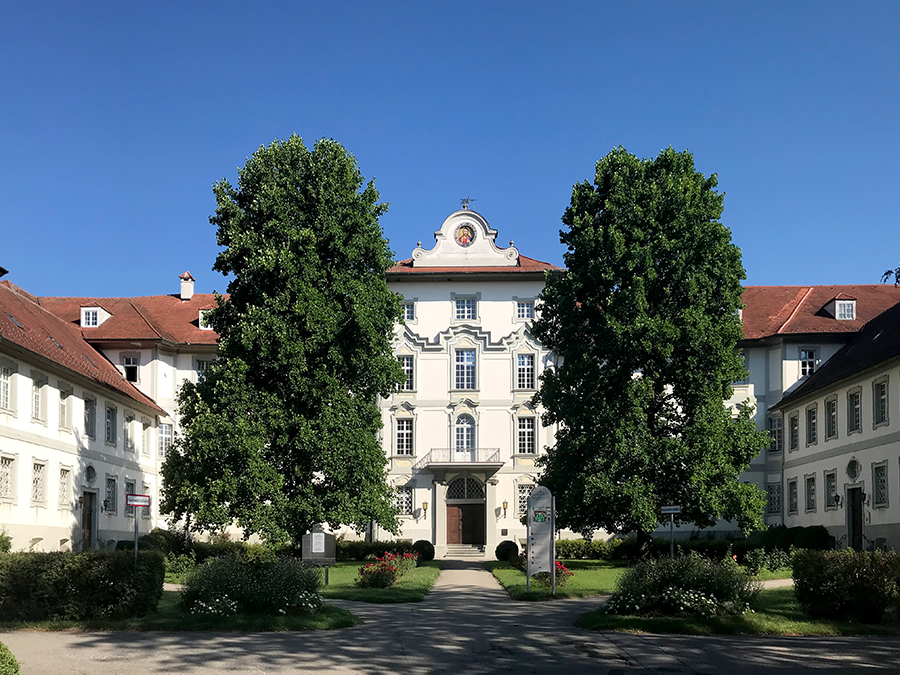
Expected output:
(466, 511)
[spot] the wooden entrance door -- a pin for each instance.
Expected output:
(855, 518)
(465, 524)
(87, 521)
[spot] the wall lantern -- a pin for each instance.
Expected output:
(106, 505)
(424, 508)
(505, 506)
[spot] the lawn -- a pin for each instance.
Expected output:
(780, 573)
(776, 612)
(592, 577)
(412, 587)
(168, 616)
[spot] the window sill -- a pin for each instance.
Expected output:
(854, 431)
(39, 505)
(880, 506)
(410, 457)
(878, 425)
(464, 391)
(35, 420)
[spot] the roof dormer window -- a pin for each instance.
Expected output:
(202, 321)
(91, 317)
(845, 310)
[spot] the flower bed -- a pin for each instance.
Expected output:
(386, 570)
(562, 576)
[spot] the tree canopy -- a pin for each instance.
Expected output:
(281, 433)
(645, 323)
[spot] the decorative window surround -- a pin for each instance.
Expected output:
(808, 359)
(526, 435)
(794, 431)
(39, 483)
(90, 416)
(831, 490)
(65, 407)
(523, 310)
(404, 439)
(8, 376)
(404, 500)
(8, 465)
(880, 492)
(165, 439)
(809, 481)
(111, 423)
(812, 429)
(776, 431)
(112, 496)
(831, 418)
(129, 490)
(525, 371)
(131, 367)
(854, 411)
(409, 311)
(845, 310)
(39, 386)
(128, 433)
(523, 492)
(880, 414)
(793, 497)
(64, 493)
(145, 510)
(407, 362)
(466, 308)
(465, 371)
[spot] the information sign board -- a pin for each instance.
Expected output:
(540, 531)
(318, 542)
(137, 500)
(665, 510)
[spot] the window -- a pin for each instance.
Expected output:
(830, 490)
(854, 411)
(165, 438)
(807, 362)
(7, 478)
(409, 311)
(525, 371)
(811, 431)
(793, 498)
(403, 499)
(465, 433)
(129, 490)
(145, 437)
(38, 397)
(90, 317)
(525, 309)
(38, 477)
(880, 401)
(203, 320)
(406, 362)
(202, 369)
(526, 443)
(131, 365)
(794, 432)
(465, 369)
(111, 504)
(524, 492)
(831, 417)
(65, 487)
(777, 434)
(90, 417)
(465, 309)
(846, 310)
(65, 417)
(404, 444)
(145, 511)
(110, 434)
(465, 488)
(5, 387)
(127, 436)
(810, 493)
(879, 485)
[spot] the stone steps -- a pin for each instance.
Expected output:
(464, 551)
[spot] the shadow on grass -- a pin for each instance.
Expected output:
(412, 587)
(591, 578)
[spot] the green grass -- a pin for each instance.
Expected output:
(592, 577)
(776, 612)
(168, 616)
(780, 573)
(412, 587)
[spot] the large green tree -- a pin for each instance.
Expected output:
(645, 322)
(282, 431)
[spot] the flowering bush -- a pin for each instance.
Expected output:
(686, 585)
(225, 586)
(386, 570)
(562, 575)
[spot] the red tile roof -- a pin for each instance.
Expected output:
(152, 317)
(25, 323)
(798, 310)
(525, 265)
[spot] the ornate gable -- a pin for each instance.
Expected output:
(465, 240)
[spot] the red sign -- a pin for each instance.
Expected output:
(137, 500)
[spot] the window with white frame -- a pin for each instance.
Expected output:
(776, 432)
(846, 310)
(64, 495)
(5, 387)
(38, 397)
(466, 309)
(145, 437)
(524, 492)
(110, 433)
(404, 442)
(793, 496)
(525, 371)
(65, 404)
(811, 429)
(525, 309)
(7, 478)
(203, 320)
(404, 500)
(880, 401)
(128, 432)
(145, 511)
(90, 417)
(406, 362)
(810, 493)
(129, 490)
(465, 369)
(526, 437)
(854, 411)
(112, 496)
(807, 362)
(830, 490)
(409, 311)
(880, 485)
(831, 417)
(90, 317)
(794, 432)
(131, 365)
(465, 432)
(165, 438)
(202, 368)
(38, 483)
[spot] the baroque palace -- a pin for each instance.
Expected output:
(88, 386)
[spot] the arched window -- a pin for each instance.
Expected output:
(465, 432)
(465, 488)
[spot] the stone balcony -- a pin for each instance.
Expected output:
(449, 458)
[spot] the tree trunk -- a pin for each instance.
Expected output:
(644, 544)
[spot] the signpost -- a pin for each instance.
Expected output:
(541, 530)
(137, 501)
(671, 510)
(319, 547)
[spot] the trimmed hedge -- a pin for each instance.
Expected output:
(360, 550)
(507, 551)
(8, 663)
(847, 584)
(78, 586)
(424, 549)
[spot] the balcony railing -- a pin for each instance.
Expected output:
(459, 456)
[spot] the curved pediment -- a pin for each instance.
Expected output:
(465, 240)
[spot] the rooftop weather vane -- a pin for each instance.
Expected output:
(465, 202)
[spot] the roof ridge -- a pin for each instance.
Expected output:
(146, 320)
(796, 309)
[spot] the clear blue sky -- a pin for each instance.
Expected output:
(116, 119)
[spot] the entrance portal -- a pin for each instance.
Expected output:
(855, 518)
(465, 524)
(87, 521)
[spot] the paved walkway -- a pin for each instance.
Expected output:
(467, 624)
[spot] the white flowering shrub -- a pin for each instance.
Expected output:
(226, 586)
(683, 586)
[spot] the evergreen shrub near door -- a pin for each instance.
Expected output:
(385, 571)
(506, 551)
(76, 586)
(8, 663)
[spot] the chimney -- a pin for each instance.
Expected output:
(187, 286)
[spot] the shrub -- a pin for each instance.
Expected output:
(8, 663)
(506, 551)
(424, 549)
(178, 542)
(180, 565)
(583, 549)
(684, 585)
(854, 585)
(361, 550)
(386, 570)
(815, 537)
(228, 585)
(562, 576)
(78, 586)
(5, 545)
